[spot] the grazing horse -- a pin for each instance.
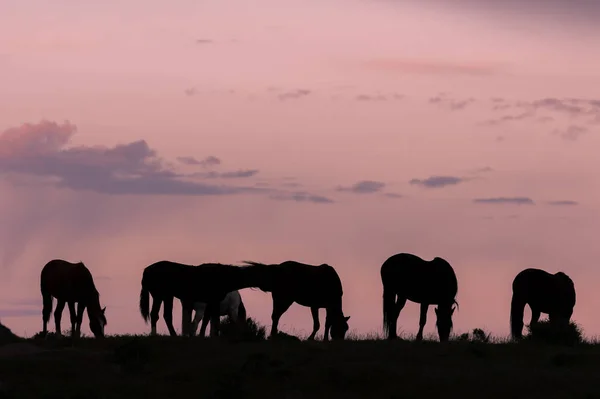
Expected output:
(311, 286)
(71, 283)
(553, 294)
(408, 277)
(231, 306)
(208, 283)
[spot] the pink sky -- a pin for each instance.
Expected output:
(298, 99)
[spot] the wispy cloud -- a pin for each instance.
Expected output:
(421, 66)
(505, 200)
(364, 187)
(301, 196)
(438, 181)
(206, 162)
(293, 95)
(563, 203)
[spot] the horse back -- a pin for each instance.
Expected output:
(309, 285)
(544, 290)
(67, 281)
(419, 280)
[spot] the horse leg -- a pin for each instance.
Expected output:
(422, 320)
(199, 307)
(73, 316)
(400, 303)
(80, 309)
(213, 309)
(280, 306)
(46, 311)
(60, 305)
(155, 313)
(187, 307)
(535, 317)
(168, 315)
(316, 325)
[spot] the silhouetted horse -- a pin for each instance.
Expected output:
(408, 277)
(311, 286)
(231, 306)
(71, 283)
(553, 294)
(208, 283)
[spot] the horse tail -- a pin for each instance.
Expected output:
(145, 302)
(389, 305)
(517, 308)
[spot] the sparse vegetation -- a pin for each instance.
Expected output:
(247, 365)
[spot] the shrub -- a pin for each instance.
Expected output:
(555, 334)
(250, 331)
(479, 335)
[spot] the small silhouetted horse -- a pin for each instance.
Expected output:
(71, 283)
(553, 294)
(232, 306)
(408, 277)
(208, 283)
(311, 286)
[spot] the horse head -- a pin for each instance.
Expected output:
(444, 320)
(97, 320)
(339, 327)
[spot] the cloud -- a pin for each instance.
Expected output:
(438, 181)
(570, 107)
(450, 103)
(40, 151)
(191, 91)
(485, 169)
(378, 97)
(208, 161)
(571, 133)
(563, 203)
(229, 175)
(293, 95)
(393, 195)
(301, 196)
(364, 187)
(19, 312)
(505, 200)
(405, 65)
(204, 41)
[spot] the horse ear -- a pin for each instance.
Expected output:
(103, 309)
(347, 318)
(452, 310)
(436, 311)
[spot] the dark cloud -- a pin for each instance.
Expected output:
(208, 161)
(364, 187)
(40, 150)
(293, 95)
(505, 200)
(301, 196)
(438, 181)
(563, 203)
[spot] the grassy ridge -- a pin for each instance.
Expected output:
(164, 367)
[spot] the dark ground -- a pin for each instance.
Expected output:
(161, 367)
